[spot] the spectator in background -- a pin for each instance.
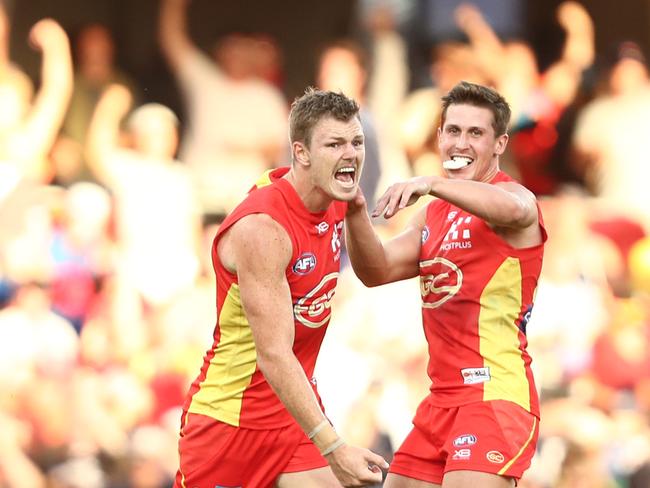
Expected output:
(237, 121)
(610, 130)
(419, 115)
(81, 250)
(538, 99)
(95, 70)
(157, 212)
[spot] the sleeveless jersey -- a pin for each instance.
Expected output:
(230, 387)
(477, 296)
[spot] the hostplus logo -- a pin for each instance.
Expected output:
(459, 235)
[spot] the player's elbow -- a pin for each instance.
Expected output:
(522, 215)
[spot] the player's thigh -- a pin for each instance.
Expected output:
(398, 481)
(475, 479)
(313, 478)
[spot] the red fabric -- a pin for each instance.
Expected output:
(218, 454)
(312, 276)
(496, 437)
(459, 256)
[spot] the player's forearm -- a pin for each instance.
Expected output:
(289, 382)
(488, 202)
(365, 249)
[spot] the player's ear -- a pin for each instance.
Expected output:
(500, 147)
(301, 153)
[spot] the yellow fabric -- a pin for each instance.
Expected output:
(230, 371)
(499, 336)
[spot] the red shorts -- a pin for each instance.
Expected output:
(215, 454)
(496, 437)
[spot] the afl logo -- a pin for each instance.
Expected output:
(305, 264)
(440, 280)
(425, 234)
(313, 310)
(465, 440)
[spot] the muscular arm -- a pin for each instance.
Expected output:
(374, 262)
(259, 250)
(505, 204)
(501, 205)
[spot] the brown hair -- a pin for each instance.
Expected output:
(479, 96)
(308, 109)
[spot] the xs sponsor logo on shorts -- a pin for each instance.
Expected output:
(462, 454)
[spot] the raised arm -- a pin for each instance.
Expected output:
(374, 262)
(259, 249)
(46, 115)
(172, 32)
(486, 44)
(104, 129)
(579, 47)
(505, 204)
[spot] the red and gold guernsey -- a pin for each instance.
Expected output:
(477, 296)
(230, 387)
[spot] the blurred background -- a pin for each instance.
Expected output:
(129, 129)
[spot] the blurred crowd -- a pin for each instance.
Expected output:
(108, 208)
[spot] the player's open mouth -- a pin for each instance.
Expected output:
(457, 162)
(346, 175)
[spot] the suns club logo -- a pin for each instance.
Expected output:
(440, 280)
(305, 263)
(495, 457)
(313, 310)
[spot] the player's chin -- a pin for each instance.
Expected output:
(465, 173)
(344, 192)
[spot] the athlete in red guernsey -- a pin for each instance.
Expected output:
(478, 251)
(231, 388)
(469, 272)
(253, 417)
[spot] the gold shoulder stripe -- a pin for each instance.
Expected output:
(264, 180)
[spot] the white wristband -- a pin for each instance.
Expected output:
(333, 446)
(317, 429)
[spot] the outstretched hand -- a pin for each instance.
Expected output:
(401, 195)
(355, 466)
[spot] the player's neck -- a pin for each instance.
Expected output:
(314, 198)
